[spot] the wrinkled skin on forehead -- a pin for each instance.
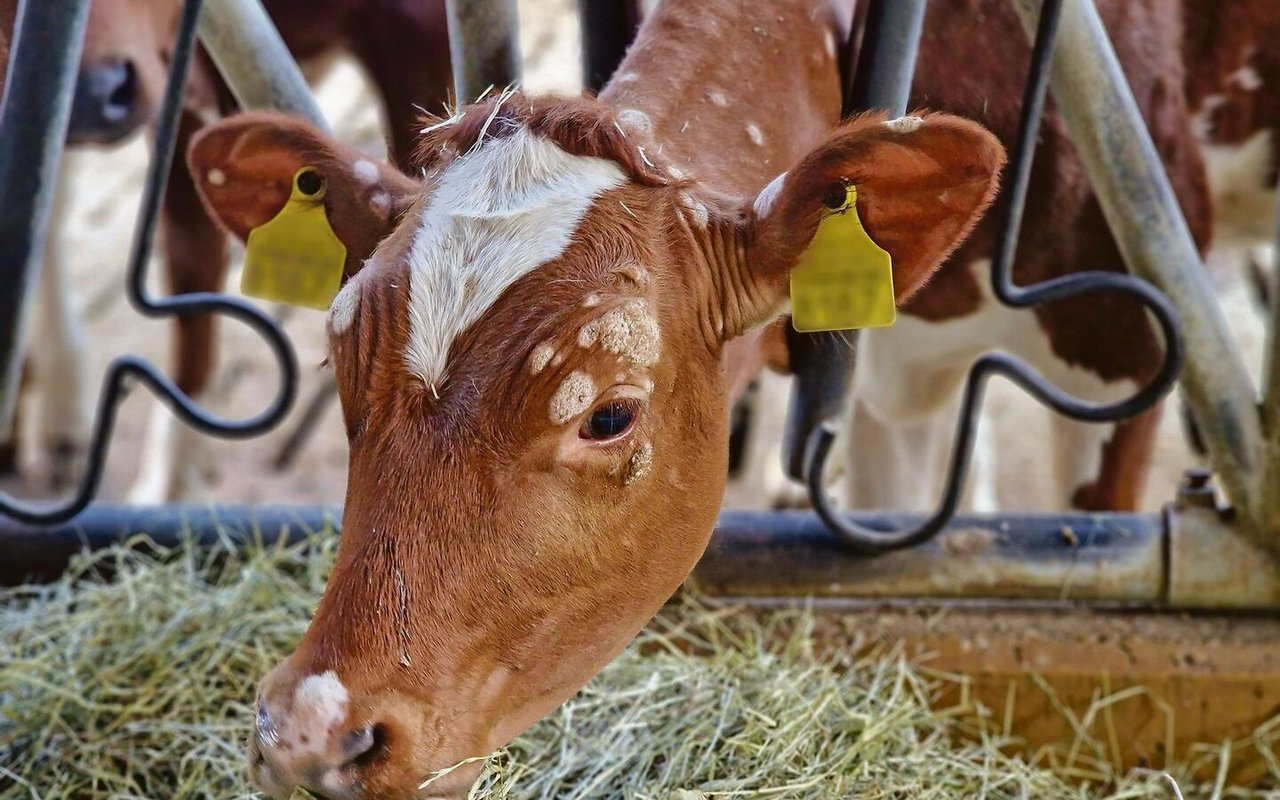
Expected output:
(496, 553)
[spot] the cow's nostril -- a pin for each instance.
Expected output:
(365, 745)
(123, 95)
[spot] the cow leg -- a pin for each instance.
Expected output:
(196, 261)
(405, 47)
(901, 425)
(1104, 466)
(58, 360)
(897, 464)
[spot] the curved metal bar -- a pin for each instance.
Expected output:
(818, 446)
(125, 369)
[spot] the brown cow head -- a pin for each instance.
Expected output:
(529, 357)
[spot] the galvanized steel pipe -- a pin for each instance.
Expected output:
(44, 61)
(252, 58)
(1101, 558)
(484, 45)
(1270, 485)
(1129, 179)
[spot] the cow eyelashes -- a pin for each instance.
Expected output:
(609, 420)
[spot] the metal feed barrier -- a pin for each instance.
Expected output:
(1192, 555)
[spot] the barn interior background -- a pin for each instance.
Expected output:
(104, 187)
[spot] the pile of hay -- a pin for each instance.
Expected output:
(140, 687)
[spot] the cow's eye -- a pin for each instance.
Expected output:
(608, 421)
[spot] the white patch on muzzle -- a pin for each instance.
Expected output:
(319, 703)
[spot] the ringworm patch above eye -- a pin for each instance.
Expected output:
(540, 357)
(629, 331)
(572, 398)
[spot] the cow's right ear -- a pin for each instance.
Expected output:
(244, 168)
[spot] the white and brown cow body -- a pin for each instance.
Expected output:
(1206, 78)
(534, 357)
(403, 47)
(1232, 56)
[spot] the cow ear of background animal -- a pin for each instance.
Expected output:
(244, 168)
(923, 182)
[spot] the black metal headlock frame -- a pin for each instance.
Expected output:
(41, 27)
(824, 364)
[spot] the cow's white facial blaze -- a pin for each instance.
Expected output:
(494, 215)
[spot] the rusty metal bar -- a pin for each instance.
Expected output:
(1127, 175)
(43, 64)
(1185, 558)
(1211, 566)
(252, 58)
(1112, 558)
(39, 554)
(484, 45)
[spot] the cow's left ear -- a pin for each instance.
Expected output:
(244, 168)
(922, 184)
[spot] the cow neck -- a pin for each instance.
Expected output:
(735, 93)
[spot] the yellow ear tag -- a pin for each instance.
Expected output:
(843, 280)
(296, 258)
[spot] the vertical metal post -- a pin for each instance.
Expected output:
(484, 45)
(887, 59)
(1270, 479)
(607, 30)
(823, 363)
(247, 49)
(43, 64)
(1128, 177)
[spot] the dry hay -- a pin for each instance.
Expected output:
(139, 687)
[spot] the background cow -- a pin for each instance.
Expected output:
(1206, 77)
(403, 46)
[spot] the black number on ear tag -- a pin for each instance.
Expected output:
(309, 182)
